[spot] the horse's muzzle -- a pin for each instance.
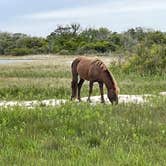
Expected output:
(115, 101)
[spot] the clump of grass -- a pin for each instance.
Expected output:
(94, 141)
(33, 93)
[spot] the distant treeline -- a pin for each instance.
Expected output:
(72, 39)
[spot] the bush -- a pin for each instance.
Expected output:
(94, 47)
(21, 51)
(148, 60)
(64, 52)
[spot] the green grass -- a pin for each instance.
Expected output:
(35, 88)
(43, 81)
(32, 71)
(136, 84)
(81, 134)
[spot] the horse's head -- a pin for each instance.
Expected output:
(112, 87)
(113, 95)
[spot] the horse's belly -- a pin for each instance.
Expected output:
(88, 74)
(83, 75)
(94, 74)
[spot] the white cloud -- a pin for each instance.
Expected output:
(117, 15)
(100, 10)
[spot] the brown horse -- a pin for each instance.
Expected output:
(93, 70)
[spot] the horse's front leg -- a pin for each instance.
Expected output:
(79, 88)
(90, 90)
(101, 92)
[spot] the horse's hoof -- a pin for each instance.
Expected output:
(103, 102)
(72, 98)
(89, 101)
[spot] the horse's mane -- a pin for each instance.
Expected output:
(100, 64)
(114, 83)
(103, 67)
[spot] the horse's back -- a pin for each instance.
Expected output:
(83, 67)
(89, 68)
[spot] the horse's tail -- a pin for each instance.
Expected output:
(74, 77)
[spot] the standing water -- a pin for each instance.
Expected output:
(9, 61)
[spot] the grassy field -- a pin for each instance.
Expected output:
(79, 133)
(50, 78)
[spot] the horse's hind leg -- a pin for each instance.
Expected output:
(90, 90)
(74, 86)
(74, 77)
(79, 88)
(101, 92)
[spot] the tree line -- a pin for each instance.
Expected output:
(72, 39)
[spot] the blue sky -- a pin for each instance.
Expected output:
(40, 17)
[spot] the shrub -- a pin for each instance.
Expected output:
(64, 52)
(21, 51)
(148, 60)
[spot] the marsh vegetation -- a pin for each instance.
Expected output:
(79, 133)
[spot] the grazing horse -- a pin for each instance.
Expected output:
(93, 70)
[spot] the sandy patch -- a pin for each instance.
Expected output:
(163, 93)
(138, 99)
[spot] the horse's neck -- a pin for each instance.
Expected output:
(109, 81)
